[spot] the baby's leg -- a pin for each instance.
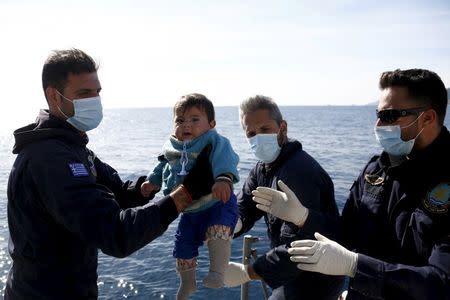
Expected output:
(186, 270)
(218, 238)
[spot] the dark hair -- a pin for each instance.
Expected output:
(61, 63)
(195, 100)
(424, 86)
(254, 103)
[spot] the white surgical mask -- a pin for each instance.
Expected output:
(390, 139)
(88, 113)
(265, 146)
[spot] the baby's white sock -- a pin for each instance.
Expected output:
(186, 270)
(219, 255)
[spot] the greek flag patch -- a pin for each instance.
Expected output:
(78, 170)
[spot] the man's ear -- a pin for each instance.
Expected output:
(283, 127)
(52, 96)
(282, 136)
(212, 123)
(429, 117)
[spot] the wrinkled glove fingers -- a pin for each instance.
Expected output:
(259, 194)
(307, 267)
(267, 191)
(264, 208)
(262, 201)
(307, 259)
(303, 250)
(300, 259)
(303, 243)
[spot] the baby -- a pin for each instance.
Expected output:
(210, 219)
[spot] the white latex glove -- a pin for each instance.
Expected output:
(323, 256)
(343, 296)
(238, 226)
(235, 274)
(285, 205)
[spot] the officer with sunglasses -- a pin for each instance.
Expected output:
(393, 238)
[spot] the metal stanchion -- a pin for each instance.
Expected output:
(247, 254)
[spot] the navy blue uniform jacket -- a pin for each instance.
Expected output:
(397, 218)
(311, 183)
(63, 205)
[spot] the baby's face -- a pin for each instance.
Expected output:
(191, 124)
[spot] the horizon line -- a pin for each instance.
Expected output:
(279, 105)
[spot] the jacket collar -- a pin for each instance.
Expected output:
(425, 158)
(287, 149)
(47, 126)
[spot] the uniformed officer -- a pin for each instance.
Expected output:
(64, 202)
(395, 225)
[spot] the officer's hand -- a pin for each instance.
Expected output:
(324, 256)
(200, 179)
(148, 188)
(285, 205)
(235, 274)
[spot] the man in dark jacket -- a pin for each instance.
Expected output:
(395, 225)
(64, 203)
(281, 158)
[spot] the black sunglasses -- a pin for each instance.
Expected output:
(392, 115)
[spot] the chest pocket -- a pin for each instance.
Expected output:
(372, 220)
(372, 199)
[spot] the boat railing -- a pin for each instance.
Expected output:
(249, 255)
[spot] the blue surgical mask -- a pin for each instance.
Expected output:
(265, 147)
(390, 139)
(88, 113)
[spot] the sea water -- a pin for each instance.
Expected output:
(340, 138)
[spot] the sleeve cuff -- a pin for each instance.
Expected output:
(168, 210)
(276, 268)
(310, 224)
(368, 278)
(315, 222)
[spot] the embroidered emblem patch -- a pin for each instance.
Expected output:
(78, 170)
(438, 199)
(373, 179)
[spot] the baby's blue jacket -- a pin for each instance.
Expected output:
(222, 157)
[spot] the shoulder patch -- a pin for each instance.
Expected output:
(78, 170)
(437, 199)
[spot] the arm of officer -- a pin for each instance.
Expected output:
(127, 194)
(89, 210)
(287, 206)
(374, 277)
(431, 281)
(275, 266)
(154, 180)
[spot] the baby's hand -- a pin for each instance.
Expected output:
(147, 188)
(221, 190)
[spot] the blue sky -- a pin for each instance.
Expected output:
(152, 52)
